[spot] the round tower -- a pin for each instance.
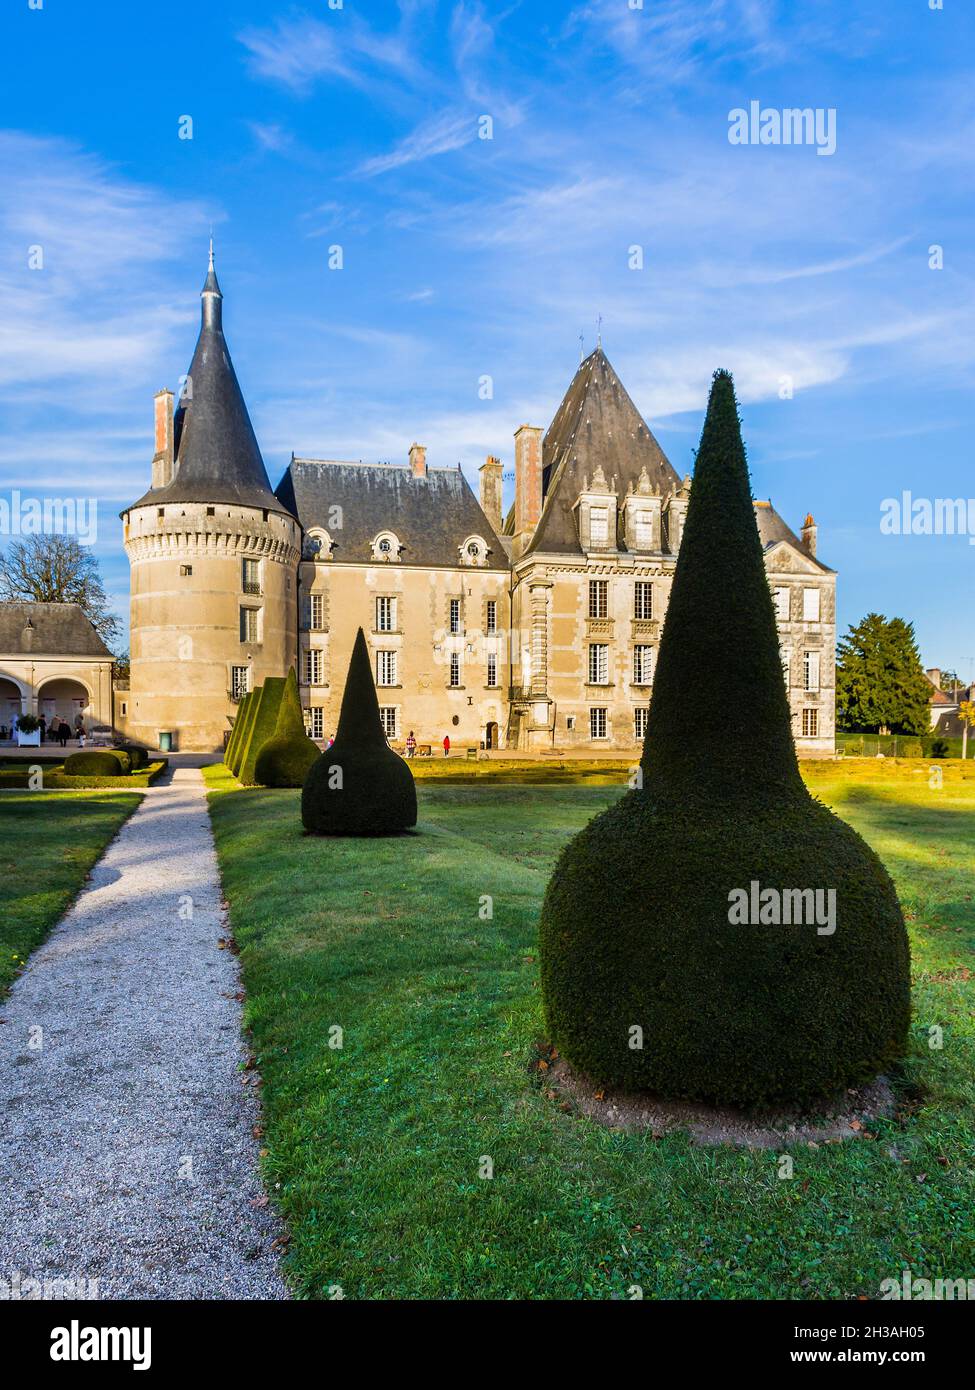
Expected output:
(213, 557)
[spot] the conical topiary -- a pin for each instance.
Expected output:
(359, 786)
(651, 979)
(267, 702)
(285, 759)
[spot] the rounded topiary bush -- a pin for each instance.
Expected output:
(285, 760)
(138, 757)
(97, 762)
(665, 963)
(359, 786)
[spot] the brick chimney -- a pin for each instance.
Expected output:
(528, 478)
(418, 460)
(809, 533)
(490, 479)
(162, 459)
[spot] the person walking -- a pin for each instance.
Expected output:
(63, 732)
(43, 729)
(446, 745)
(410, 745)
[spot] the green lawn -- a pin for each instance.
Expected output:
(374, 1150)
(48, 843)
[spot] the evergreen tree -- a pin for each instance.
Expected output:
(359, 786)
(653, 975)
(880, 682)
(285, 759)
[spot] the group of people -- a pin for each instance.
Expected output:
(411, 745)
(55, 730)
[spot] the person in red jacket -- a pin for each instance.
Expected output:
(446, 745)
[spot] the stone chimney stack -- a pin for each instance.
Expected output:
(490, 477)
(418, 460)
(809, 533)
(528, 478)
(162, 459)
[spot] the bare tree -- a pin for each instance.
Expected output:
(57, 569)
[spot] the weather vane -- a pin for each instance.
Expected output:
(581, 347)
(599, 330)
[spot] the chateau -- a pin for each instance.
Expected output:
(536, 630)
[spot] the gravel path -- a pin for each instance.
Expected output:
(126, 1146)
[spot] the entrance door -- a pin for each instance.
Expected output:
(491, 736)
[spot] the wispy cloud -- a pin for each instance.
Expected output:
(450, 130)
(300, 52)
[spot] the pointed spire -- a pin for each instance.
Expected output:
(720, 622)
(212, 297)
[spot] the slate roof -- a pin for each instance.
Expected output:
(431, 516)
(596, 424)
(48, 629)
(772, 529)
(217, 454)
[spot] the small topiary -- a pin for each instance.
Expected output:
(939, 748)
(138, 757)
(267, 702)
(285, 759)
(97, 762)
(657, 971)
(359, 786)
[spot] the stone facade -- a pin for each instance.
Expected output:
(537, 632)
(53, 663)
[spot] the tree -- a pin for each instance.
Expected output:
(966, 713)
(651, 977)
(359, 786)
(285, 759)
(57, 569)
(880, 683)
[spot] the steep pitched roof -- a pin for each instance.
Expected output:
(431, 516)
(772, 529)
(596, 424)
(48, 629)
(217, 454)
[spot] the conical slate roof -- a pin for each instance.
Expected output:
(217, 455)
(596, 425)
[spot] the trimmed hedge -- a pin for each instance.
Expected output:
(267, 702)
(648, 979)
(138, 756)
(359, 786)
(98, 762)
(235, 733)
(246, 719)
(285, 759)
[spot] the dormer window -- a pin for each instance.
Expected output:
(474, 551)
(317, 545)
(598, 525)
(386, 546)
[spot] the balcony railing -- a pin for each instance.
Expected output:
(252, 587)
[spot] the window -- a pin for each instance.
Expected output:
(570, 722)
(598, 525)
(239, 681)
(387, 714)
(643, 600)
(491, 618)
(597, 723)
(385, 546)
(386, 668)
(642, 665)
(316, 612)
(810, 670)
(810, 723)
(385, 615)
(454, 668)
(313, 666)
(785, 656)
(211, 511)
(125, 708)
(315, 721)
(598, 598)
(186, 571)
(640, 716)
(455, 615)
(810, 605)
(492, 669)
(644, 530)
(251, 576)
(598, 663)
(781, 599)
(250, 624)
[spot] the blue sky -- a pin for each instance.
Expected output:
(464, 257)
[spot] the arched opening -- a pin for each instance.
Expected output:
(491, 735)
(11, 704)
(63, 698)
